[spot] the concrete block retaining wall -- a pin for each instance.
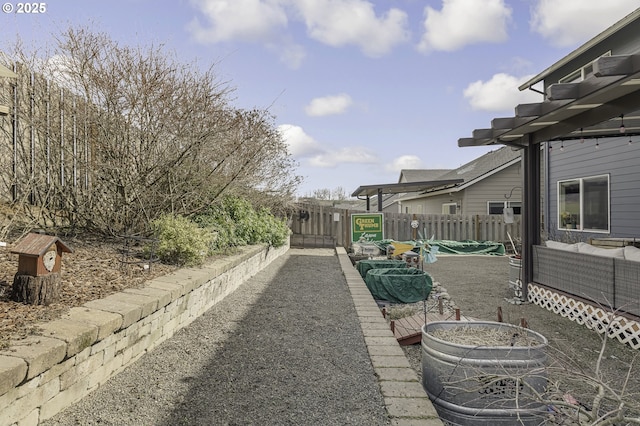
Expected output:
(74, 355)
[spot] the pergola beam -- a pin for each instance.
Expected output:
(590, 117)
(539, 109)
(616, 65)
(509, 123)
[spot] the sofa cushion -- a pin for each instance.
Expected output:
(561, 246)
(632, 253)
(600, 251)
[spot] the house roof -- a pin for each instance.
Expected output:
(582, 49)
(445, 180)
(417, 175)
(475, 170)
(484, 165)
(397, 188)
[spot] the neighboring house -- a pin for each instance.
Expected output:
(5, 75)
(390, 202)
(490, 183)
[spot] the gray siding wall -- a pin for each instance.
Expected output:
(429, 205)
(615, 157)
(494, 188)
(473, 200)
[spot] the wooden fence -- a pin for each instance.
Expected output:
(329, 226)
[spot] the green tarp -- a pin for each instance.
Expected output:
(364, 266)
(399, 285)
(453, 247)
(469, 247)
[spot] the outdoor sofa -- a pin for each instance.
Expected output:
(610, 277)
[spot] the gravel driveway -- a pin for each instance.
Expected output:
(286, 348)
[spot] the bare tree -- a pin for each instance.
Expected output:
(110, 136)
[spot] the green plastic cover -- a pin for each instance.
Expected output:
(453, 247)
(364, 266)
(469, 247)
(399, 285)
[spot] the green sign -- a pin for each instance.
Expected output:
(367, 227)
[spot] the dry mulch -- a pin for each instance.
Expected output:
(94, 270)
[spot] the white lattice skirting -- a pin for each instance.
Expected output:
(624, 329)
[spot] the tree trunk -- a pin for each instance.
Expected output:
(31, 290)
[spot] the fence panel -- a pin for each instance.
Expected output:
(333, 222)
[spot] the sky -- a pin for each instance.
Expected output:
(360, 89)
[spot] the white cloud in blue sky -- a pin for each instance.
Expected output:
(404, 162)
(364, 88)
(354, 22)
(300, 144)
(345, 155)
(567, 22)
(500, 93)
(246, 20)
(464, 22)
(328, 105)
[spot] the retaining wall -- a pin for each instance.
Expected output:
(74, 355)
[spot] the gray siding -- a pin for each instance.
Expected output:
(472, 200)
(429, 205)
(493, 188)
(615, 157)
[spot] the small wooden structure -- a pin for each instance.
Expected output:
(408, 330)
(39, 263)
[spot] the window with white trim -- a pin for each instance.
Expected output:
(449, 208)
(584, 204)
(497, 207)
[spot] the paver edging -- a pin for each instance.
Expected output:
(72, 356)
(393, 373)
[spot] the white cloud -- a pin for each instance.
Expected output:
(290, 53)
(300, 144)
(329, 105)
(569, 22)
(404, 162)
(248, 20)
(353, 22)
(500, 93)
(464, 22)
(353, 155)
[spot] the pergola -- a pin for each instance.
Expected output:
(595, 107)
(379, 190)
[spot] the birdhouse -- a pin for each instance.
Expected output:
(412, 258)
(39, 254)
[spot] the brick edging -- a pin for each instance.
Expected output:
(74, 355)
(406, 401)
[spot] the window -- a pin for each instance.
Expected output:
(581, 73)
(497, 207)
(583, 204)
(449, 208)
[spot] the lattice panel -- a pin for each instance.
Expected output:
(595, 318)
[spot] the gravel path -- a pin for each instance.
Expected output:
(285, 349)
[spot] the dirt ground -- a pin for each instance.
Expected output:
(479, 285)
(94, 270)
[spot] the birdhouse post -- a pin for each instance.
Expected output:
(37, 281)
